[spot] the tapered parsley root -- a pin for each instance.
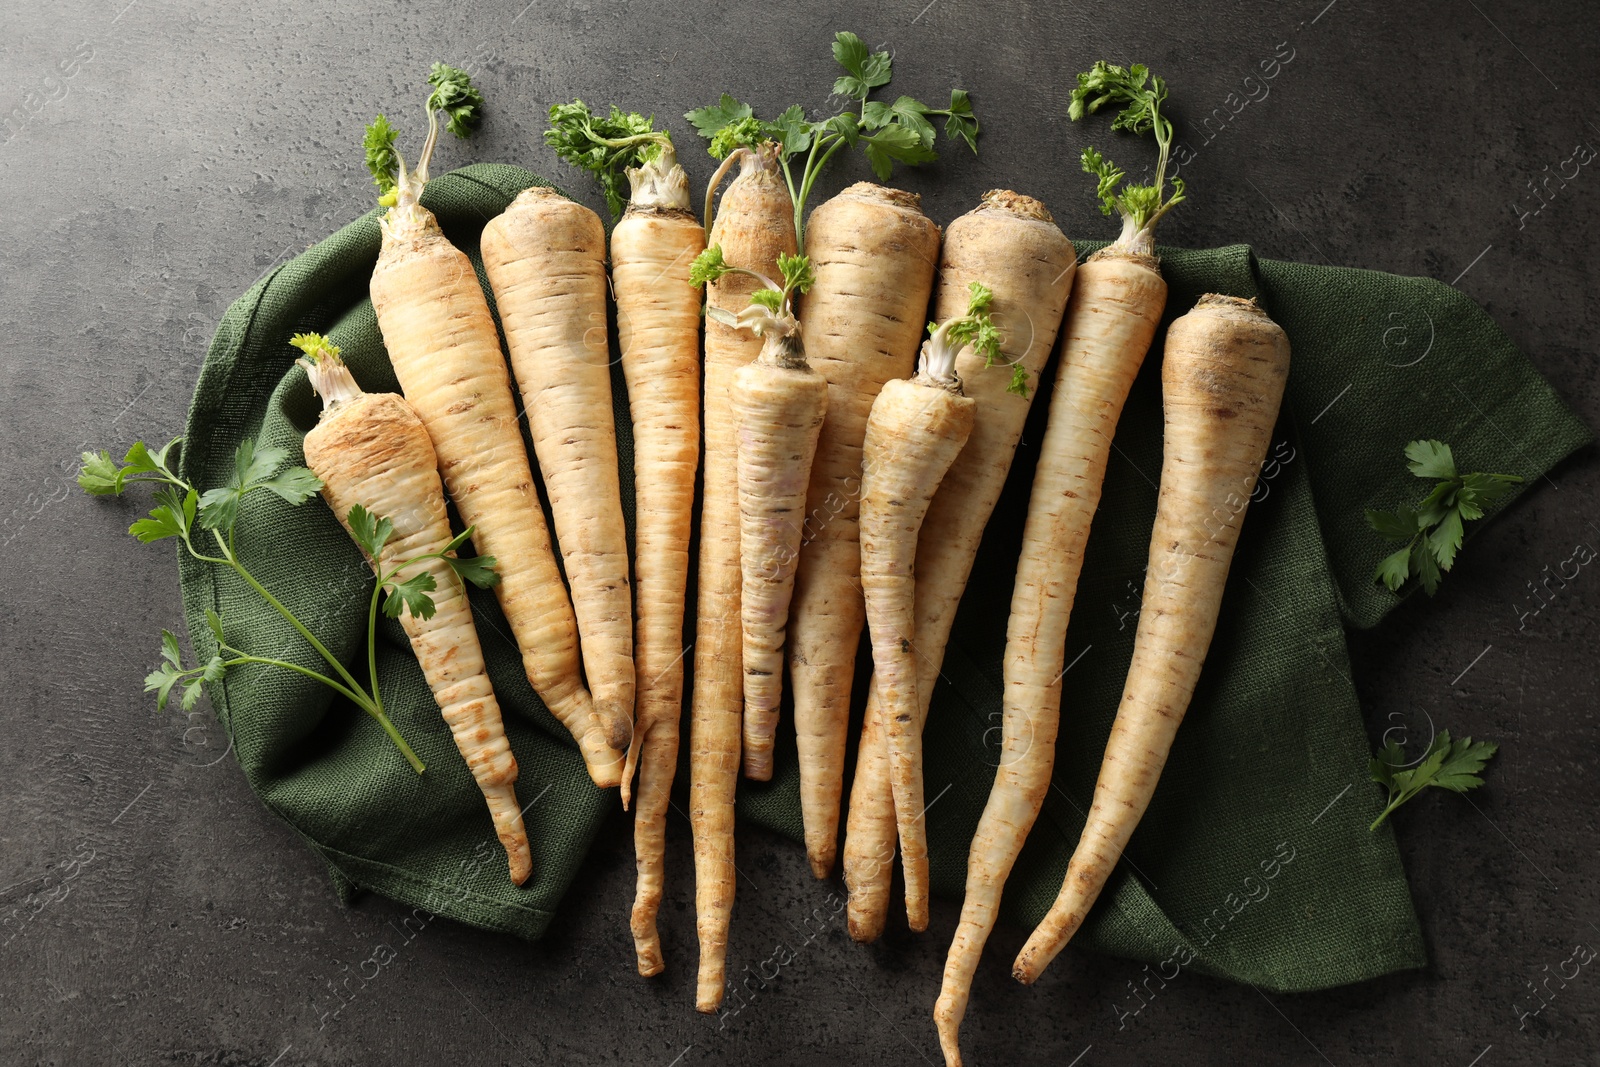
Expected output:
(874, 254)
(658, 327)
(916, 429)
(375, 458)
(546, 261)
(1222, 382)
(755, 225)
(1010, 243)
(446, 353)
(862, 346)
(1116, 305)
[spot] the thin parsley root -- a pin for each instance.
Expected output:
(753, 229)
(1011, 244)
(445, 350)
(1222, 379)
(867, 308)
(779, 403)
(658, 329)
(874, 254)
(1117, 302)
(916, 429)
(184, 513)
(546, 261)
(375, 459)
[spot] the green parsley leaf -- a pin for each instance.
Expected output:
(455, 95)
(1395, 569)
(214, 624)
(295, 485)
(160, 681)
(771, 299)
(1140, 206)
(792, 130)
(383, 162)
(173, 517)
(170, 650)
(99, 474)
(369, 531)
(1430, 459)
(411, 594)
(1452, 765)
(606, 145)
(707, 121)
(867, 70)
(798, 276)
(729, 124)
(1434, 529)
(479, 570)
(892, 143)
(708, 266)
(961, 122)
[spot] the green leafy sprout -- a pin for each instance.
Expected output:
(776, 300)
(975, 329)
(183, 512)
(453, 96)
(606, 145)
(889, 133)
(1432, 531)
(1141, 96)
(1452, 765)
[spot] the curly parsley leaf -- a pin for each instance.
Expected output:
(604, 144)
(708, 266)
(383, 162)
(455, 95)
(1106, 83)
(1433, 530)
(1452, 765)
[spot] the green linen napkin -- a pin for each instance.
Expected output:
(1254, 861)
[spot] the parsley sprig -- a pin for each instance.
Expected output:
(453, 96)
(976, 328)
(888, 133)
(605, 144)
(1452, 765)
(1432, 530)
(770, 306)
(1141, 97)
(185, 513)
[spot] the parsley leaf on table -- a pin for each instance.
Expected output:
(1433, 529)
(1452, 765)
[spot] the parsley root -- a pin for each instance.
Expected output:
(1222, 381)
(658, 330)
(375, 459)
(446, 353)
(1010, 243)
(546, 261)
(753, 228)
(874, 253)
(916, 429)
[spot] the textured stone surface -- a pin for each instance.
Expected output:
(198, 145)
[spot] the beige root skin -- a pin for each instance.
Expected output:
(916, 430)
(372, 450)
(446, 353)
(779, 404)
(874, 254)
(1010, 244)
(755, 225)
(1222, 382)
(1116, 306)
(658, 327)
(545, 258)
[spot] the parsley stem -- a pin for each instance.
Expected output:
(288, 615)
(1393, 804)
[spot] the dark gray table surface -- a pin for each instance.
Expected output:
(158, 157)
